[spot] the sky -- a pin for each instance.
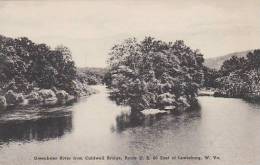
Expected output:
(90, 28)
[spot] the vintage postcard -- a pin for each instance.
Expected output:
(129, 82)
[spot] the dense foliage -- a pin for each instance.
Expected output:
(240, 77)
(25, 65)
(91, 76)
(154, 74)
(232, 64)
(210, 76)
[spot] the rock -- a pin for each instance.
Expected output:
(184, 101)
(206, 93)
(170, 107)
(36, 89)
(48, 96)
(62, 95)
(3, 103)
(11, 97)
(34, 97)
(20, 98)
(152, 111)
(166, 99)
(219, 94)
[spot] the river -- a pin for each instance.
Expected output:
(95, 126)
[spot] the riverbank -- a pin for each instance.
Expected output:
(44, 97)
(206, 92)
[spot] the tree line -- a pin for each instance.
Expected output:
(37, 73)
(25, 64)
(240, 76)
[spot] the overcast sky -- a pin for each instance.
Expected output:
(90, 28)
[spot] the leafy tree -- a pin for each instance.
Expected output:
(234, 63)
(253, 59)
(210, 76)
(25, 64)
(142, 73)
(240, 77)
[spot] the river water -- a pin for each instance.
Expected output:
(96, 126)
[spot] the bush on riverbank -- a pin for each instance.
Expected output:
(3, 103)
(154, 74)
(44, 97)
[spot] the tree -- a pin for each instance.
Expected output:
(253, 59)
(240, 77)
(24, 63)
(234, 63)
(142, 72)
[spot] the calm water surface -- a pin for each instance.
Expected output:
(96, 126)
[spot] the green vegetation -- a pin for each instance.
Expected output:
(210, 76)
(145, 75)
(91, 76)
(35, 72)
(24, 64)
(154, 74)
(240, 77)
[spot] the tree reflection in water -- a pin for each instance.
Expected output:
(40, 130)
(136, 118)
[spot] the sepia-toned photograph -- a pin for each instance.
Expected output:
(129, 82)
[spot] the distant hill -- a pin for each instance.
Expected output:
(216, 62)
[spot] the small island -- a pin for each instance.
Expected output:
(153, 74)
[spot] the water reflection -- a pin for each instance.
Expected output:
(128, 120)
(40, 130)
(97, 126)
(134, 118)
